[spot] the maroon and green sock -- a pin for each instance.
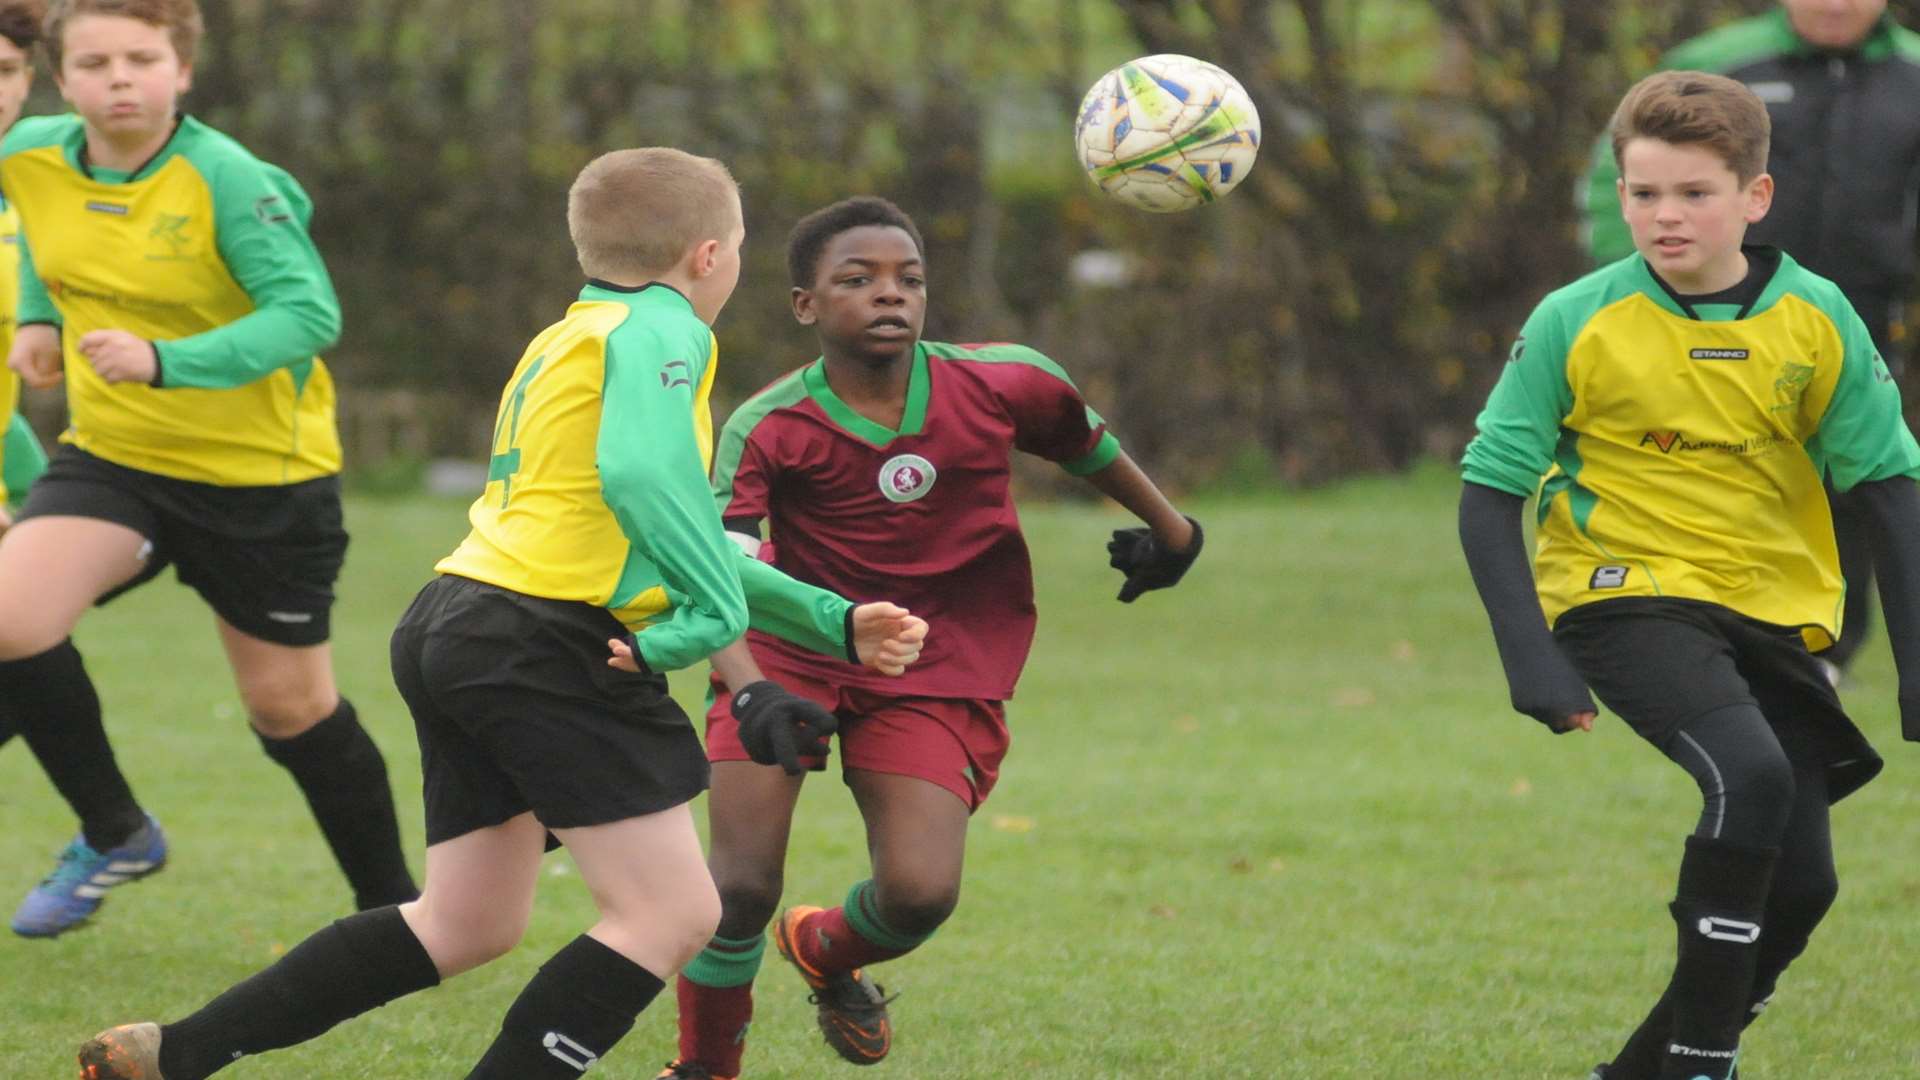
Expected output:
(852, 935)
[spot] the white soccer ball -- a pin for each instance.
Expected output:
(1167, 132)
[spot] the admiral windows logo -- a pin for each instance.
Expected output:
(1662, 439)
(1717, 354)
(1668, 441)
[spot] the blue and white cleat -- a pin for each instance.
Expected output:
(73, 891)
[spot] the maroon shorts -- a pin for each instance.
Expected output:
(955, 743)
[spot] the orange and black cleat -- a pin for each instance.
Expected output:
(127, 1052)
(853, 1008)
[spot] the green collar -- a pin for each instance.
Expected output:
(77, 154)
(652, 291)
(911, 421)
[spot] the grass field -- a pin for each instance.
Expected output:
(1276, 823)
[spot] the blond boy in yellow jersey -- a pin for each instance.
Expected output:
(1683, 406)
(594, 526)
(167, 278)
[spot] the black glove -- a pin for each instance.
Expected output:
(779, 727)
(1146, 562)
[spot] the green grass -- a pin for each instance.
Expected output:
(1276, 823)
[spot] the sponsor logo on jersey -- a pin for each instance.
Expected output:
(906, 477)
(1717, 354)
(1607, 577)
(675, 373)
(1669, 441)
(1776, 92)
(99, 206)
(1665, 440)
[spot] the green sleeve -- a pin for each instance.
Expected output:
(654, 481)
(1862, 434)
(1606, 234)
(806, 615)
(260, 217)
(21, 459)
(1520, 425)
(35, 306)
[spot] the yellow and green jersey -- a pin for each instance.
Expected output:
(597, 487)
(1682, 445)
(204, 251)
(21, 459)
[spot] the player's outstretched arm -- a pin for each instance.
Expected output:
(1541, 681)
(1893, 514)
(1157, 556)
(881, 636)
(885, 637)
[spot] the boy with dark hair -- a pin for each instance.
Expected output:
(1682, 405)
(166, 275)
(883, 468)
(595, 523)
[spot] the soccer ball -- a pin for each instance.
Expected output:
(1167, 133)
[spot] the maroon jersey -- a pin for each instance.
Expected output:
(922, 516)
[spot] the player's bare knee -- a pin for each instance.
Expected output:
(460, 938)
(485, 939)
(749, 904)
(918, 907)
(284, 712)
(698, 921)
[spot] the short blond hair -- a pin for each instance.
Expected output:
(633, 213)
(1696, 108)
(179, 18)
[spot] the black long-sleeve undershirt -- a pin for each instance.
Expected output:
(1893, 524)
(1540, 680)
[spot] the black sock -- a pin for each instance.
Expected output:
(1646, 1048)
(580, 1004)
(354, 965)
(1718, 910)
(344, 778)
(52, 701)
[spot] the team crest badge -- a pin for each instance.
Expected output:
(906, 477)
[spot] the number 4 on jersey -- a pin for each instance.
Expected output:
(506, 458)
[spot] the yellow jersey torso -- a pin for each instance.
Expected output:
(1683, 451)
(150, 255)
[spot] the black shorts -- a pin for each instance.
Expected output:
(517, 710)
(264, 558)
(1660, 662)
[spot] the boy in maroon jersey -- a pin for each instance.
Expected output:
(883, 470)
